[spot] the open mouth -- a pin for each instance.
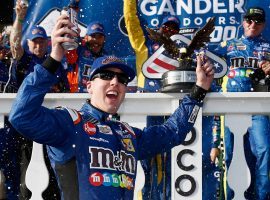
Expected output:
(112, 95)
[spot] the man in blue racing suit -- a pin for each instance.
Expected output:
(243, 56)
(106, 150)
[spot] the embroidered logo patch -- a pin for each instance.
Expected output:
(128, 145)
(105, 129)
(89, 128)
(194, 114)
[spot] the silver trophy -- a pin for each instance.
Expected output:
(184, 76)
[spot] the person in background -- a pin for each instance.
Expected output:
(158, 169)
(244, 56)
(80, 60)
(25, 59)
(92, 134)
(37, 52)
(9, 138)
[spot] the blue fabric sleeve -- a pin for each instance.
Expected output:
(161, 138)
(53, 127)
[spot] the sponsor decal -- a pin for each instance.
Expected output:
(231, 74)
(96, 179)
(103, 158)
(111, 59)
(248, 72)
(105, 129)
(242, 72)
(250, 62)
(37, 31)
(107, 179)
(241, 47)
(89, 128)
(194, 114)
(115, 180)
(127, 143)
(126, 129)
(99, 139)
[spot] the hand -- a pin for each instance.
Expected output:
(20, 10)
(214, 154)
(204, 72)
(62, 27)
(265, 66)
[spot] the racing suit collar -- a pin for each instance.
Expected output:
(89, 110)
(253, 39)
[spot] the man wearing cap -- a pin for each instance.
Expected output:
(106, 150)
(37, 42)
(169, 26)
(245, 56)
(158, 169)
(80, 60)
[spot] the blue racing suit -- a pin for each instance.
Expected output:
(242, 58)
(13, 146)
(106, 151)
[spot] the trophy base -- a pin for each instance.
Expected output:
(260, 88)
(178, 81)
(177, 88)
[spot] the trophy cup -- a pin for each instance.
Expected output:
(184, 76)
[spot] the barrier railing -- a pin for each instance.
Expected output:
(237, 108)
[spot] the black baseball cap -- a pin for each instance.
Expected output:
(255, 13)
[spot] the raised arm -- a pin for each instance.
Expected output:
(49, 126)
(157, 139)
(16, 32)
(136, 37)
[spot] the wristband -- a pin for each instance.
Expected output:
(51, 65)
(20, 20)
(198, 93)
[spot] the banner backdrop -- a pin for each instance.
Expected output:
(110, 14)
(194, 14)
(191, 13)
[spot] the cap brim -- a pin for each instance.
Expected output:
(259, 17)
(37, 36)
(91, 33)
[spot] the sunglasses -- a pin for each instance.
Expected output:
(258, 22)
(109, 75)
